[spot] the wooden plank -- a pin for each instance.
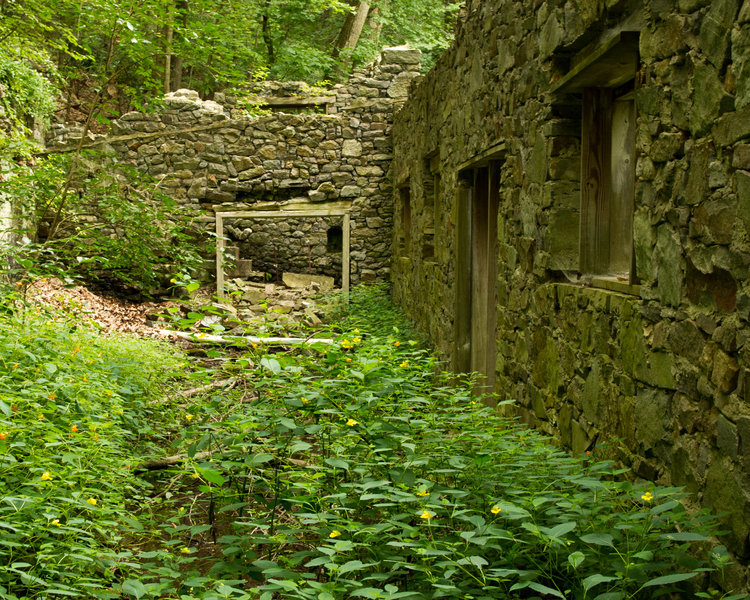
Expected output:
(494, 152)
(293, 101)
(623, 188)
(479, 272)
(219, 256)
(596, 138)
(462, 325)
(345, 260)
(282, 214)
(610, 64)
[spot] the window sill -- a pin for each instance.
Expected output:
(615, 284)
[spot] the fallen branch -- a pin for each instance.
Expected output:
(228, 383)
(178, 459)
(206, 338)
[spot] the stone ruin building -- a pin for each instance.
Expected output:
(321, 153)
(572, 220)
(562, 204)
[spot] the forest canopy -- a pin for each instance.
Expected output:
(121, 53)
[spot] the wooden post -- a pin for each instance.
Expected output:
(219, 255)
(346, 231)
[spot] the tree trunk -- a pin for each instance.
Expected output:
(267, 38)
(376, 25)
(352, 29)
(182, 17)
(168, 36)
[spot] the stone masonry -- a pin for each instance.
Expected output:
(654, 360)
(209, 156)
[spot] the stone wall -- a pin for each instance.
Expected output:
(211, 157)
(655, 363)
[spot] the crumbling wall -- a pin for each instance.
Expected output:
(660, 361)
(210, 157)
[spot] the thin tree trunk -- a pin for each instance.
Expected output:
(267, 38)
(376, 25)
(352, 29)
(168, 37)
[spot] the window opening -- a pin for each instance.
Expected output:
(335, 239)
(405, 234)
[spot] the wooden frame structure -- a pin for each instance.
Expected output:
(283, 214)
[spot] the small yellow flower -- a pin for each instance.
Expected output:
(356, 331)
(15, 366)
(397, 344)
(46, 476)
(85, 379)
(495, 509)
(346, 344)
(357, 340)
(55, 522)
(189, 417)
(426, 514)
(173, 280)
(334, 534)
(74, 429)
(404, 364)
(648, 496)
(423, 493)
(91, 501)
(185, 550)
(352, 422)
(3, 435)
(304, 400)
(51, 396)
(348, 360)
(195, 475)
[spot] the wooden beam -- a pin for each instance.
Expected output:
(219, 256)
(345, 261)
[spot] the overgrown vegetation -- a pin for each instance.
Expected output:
(352, 469)
(108, 225)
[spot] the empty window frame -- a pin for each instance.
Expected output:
(607, 182)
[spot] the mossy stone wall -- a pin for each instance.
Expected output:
(659, 370)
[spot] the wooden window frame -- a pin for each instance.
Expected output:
(282, 214)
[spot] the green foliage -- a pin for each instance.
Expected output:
(106, 226)
(74, 407)
(353, 470)
(25, 96)
(347, 470)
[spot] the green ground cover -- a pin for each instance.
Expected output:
(357, 469)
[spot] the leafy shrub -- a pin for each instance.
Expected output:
(73, 408)
(108, 226)
(356, 472)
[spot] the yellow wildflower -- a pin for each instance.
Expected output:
(423, 493)
(185, 550)
(357, 340)
(346, 344)
(495, 509)
(304, 400)
(3, 435)
(189, 417)
(55, 522)
(74, 429)
(356, 331)
(46, 476)
(173, 280)
(352, 422)
(648, 496)
(426, 514)
(397, 344)
(334, 534)
(51, 396)
(195, 475)
(405, 364)
(91, 501)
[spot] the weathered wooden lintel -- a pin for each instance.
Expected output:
(610, 64)
(494, 152)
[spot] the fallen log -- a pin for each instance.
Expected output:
(228, 383)
(207, 338)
